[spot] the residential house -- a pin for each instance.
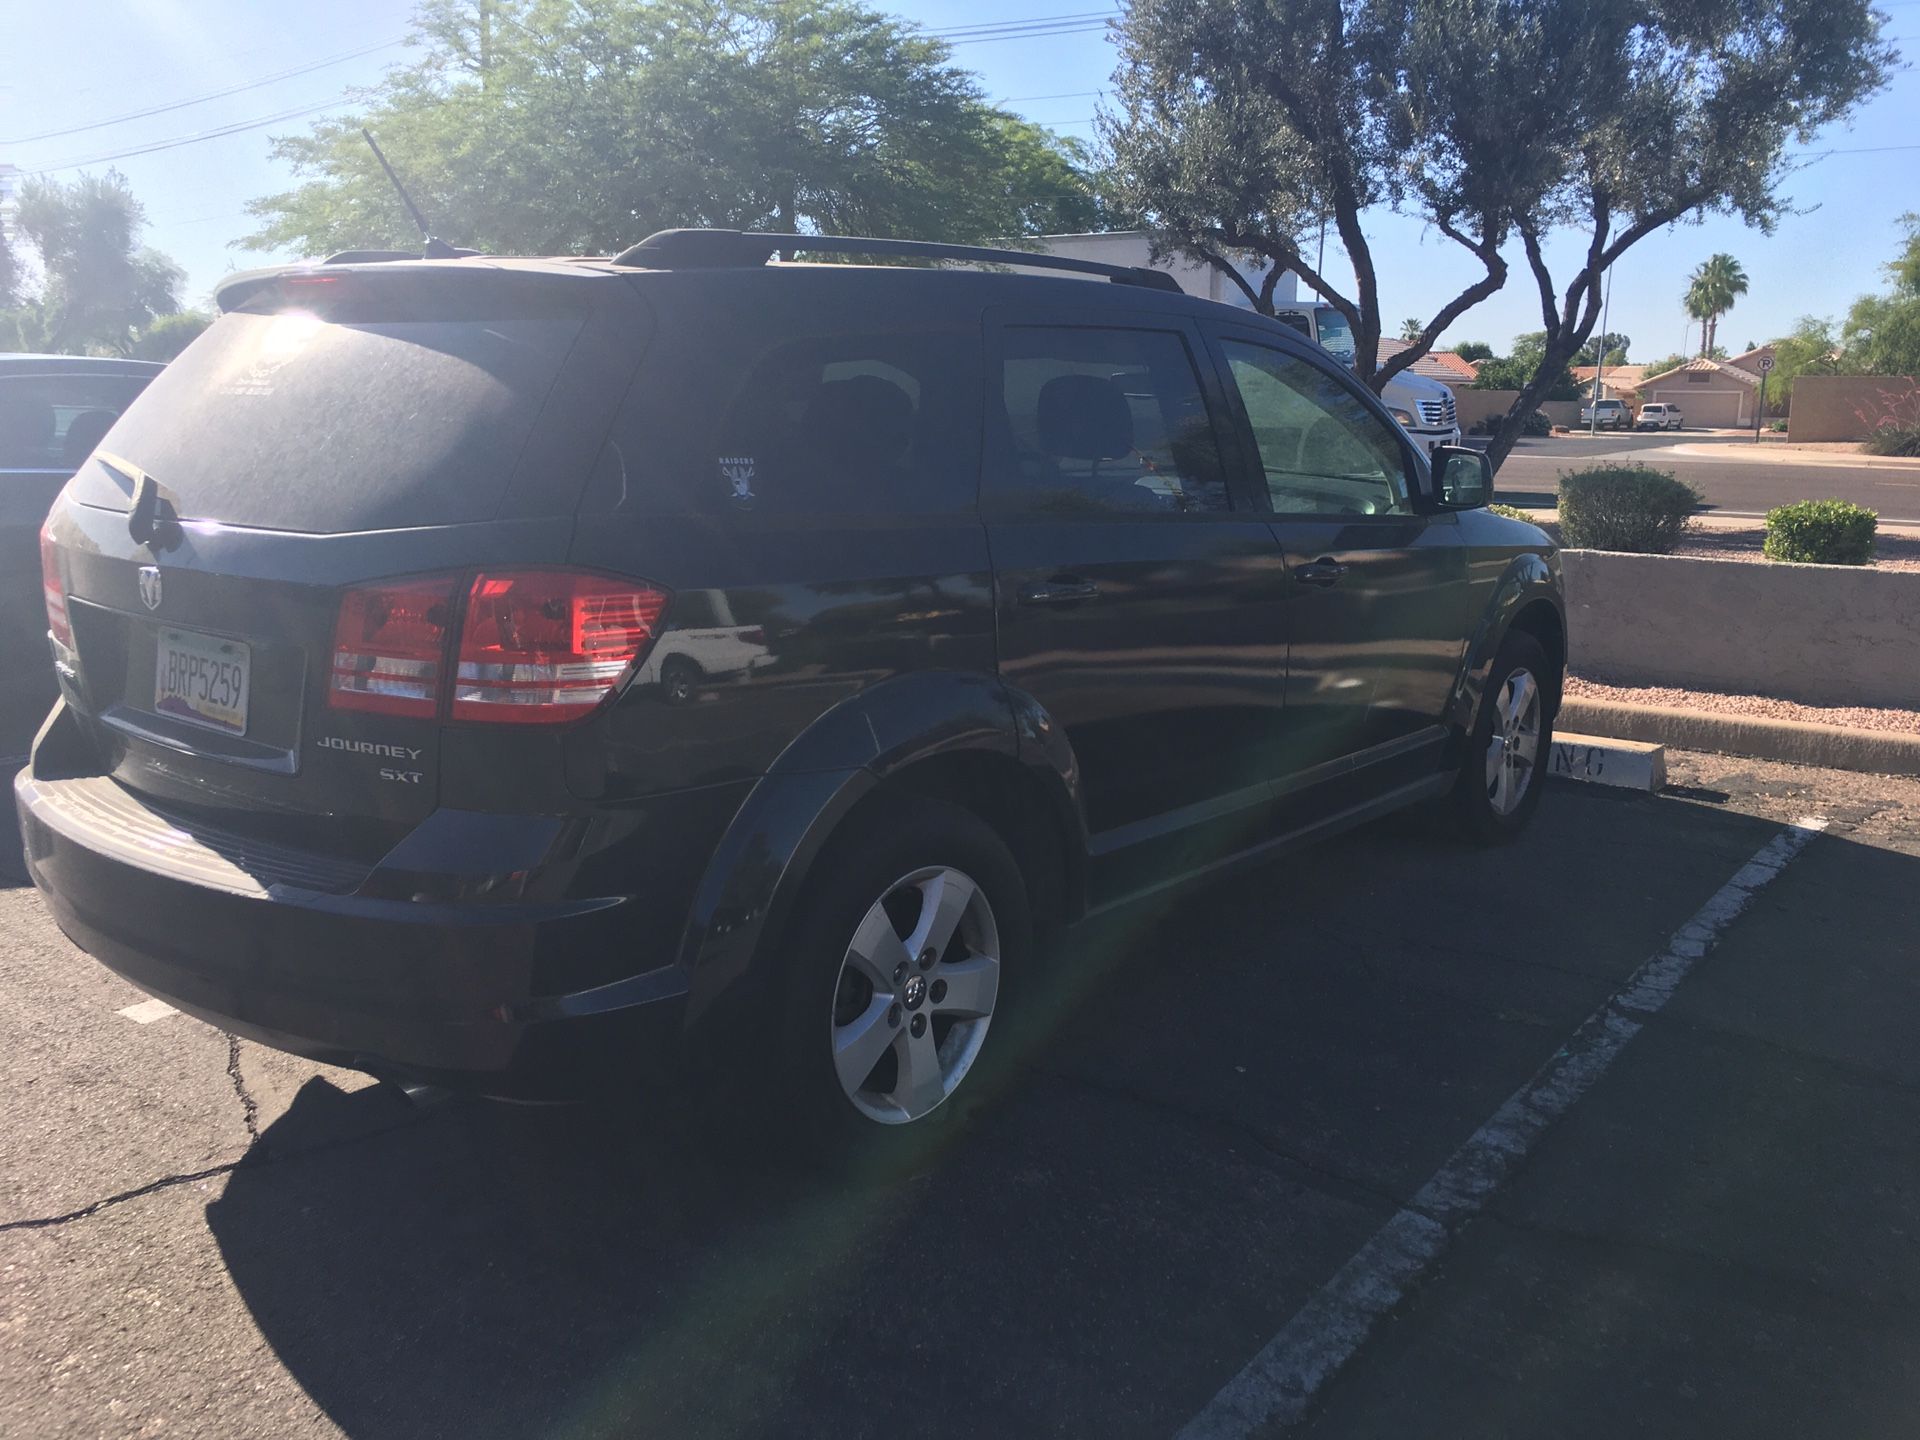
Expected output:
(1442, 365)
(1618, 382)
(1710, 393)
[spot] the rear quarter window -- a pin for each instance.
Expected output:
(796, 408)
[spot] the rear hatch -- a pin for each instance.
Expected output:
(271, 502)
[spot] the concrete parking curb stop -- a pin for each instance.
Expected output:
(1837, 747)
(1627, 764)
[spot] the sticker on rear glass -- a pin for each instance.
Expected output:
(737, 471)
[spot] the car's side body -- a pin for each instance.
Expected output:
(1607, 414)
(1130, 699)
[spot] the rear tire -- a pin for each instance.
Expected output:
(904, 955)
(1512, 739)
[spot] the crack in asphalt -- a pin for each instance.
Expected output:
(165, 1182)
(249, 1107)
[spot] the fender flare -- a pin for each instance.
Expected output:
(1528, 578)
(749, 889)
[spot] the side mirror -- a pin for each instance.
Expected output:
(1462, 478)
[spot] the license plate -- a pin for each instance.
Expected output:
(202, 679)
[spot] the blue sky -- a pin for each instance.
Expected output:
(96, 59)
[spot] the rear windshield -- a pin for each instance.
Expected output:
(364, 418)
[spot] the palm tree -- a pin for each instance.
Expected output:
(1711, 292)
(1412, 330)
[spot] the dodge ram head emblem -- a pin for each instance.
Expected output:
(151, 590)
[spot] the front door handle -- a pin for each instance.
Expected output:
(1324, 572)
(1061, 590)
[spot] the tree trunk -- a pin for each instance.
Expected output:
(1555, 360)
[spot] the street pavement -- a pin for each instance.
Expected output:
(1220, 1102)
(1733, 479)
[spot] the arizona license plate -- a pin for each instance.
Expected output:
(202, 679)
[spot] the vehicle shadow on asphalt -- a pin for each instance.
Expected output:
(1207, 1118)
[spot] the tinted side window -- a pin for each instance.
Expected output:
(53, 422)
(1091, 420)
(795, 400)
(1323, 451)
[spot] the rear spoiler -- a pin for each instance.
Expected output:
(238, 288)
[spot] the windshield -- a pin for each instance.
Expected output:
(291, 422)
(1336, 336)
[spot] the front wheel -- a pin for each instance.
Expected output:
(1512, 738)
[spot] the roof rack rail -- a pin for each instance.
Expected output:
(736, 249)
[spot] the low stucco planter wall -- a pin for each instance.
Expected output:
(1818, 634)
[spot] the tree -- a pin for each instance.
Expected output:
(1473, 350)
(579, 126)
(1711, 291)
(1881, 334)
(1676, 109)
(1611, 348)
(167, 336)
(1666, 363)
(100, 284)
(10, 277)
(1515, 370)
(1243, 132)
(1810, 350)
(1411, 329)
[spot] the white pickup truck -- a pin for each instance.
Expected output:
(1424, 408)
(1607, 414)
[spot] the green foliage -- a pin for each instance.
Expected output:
(167, 336)
(101, 284)
(1779, 427)
(1536, 423)
(1512, 512)
(1711, 291)
(1882, 332)
(1517, 370)
(1811, 349)
(1412, 328)
(1666, 363)
(1612, 346)
(1821, 532)
(1473, 350)
(1625, 507)
(579, 126)
(1895, 437)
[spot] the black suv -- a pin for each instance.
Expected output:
(489, 671)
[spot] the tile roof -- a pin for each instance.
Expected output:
(1441, 365)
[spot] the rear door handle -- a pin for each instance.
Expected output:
(1324, 572)
(1061, 590)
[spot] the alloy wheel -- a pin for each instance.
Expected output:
(1513, 748)
(916, 993)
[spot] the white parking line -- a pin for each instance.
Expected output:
(1279, 1384)
(147, 1011)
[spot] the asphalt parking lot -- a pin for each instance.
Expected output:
(1228, 1101)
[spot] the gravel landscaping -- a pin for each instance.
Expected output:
(1891, 550)
(1857, 717)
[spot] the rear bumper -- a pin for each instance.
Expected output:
(262, 942)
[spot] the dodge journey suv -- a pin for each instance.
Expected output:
(986, 600)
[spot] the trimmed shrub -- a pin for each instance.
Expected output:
(1821, 532)
(1625, 507)
(1512, 512)
(1894, 438)
(1536, 424)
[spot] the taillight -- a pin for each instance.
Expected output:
(390, 644)
(539, 646)
(56, 597)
